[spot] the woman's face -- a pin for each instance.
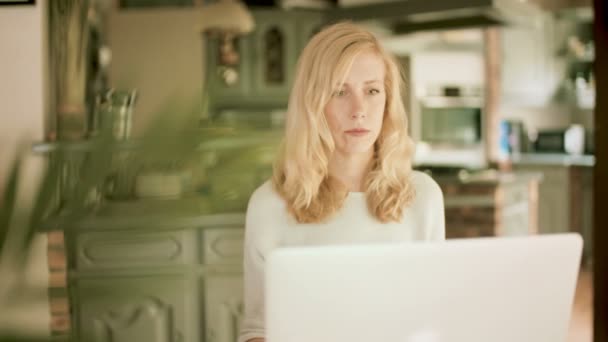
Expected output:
(355, 111)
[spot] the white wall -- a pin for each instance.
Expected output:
(160, 53)
(447, 68)
(22, 94)
(23, 101)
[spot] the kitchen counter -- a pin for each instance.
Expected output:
(489, 177)
(490, 203)
(554, 159)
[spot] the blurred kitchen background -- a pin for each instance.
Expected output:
(500, 98)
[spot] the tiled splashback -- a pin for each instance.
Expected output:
(550, 117)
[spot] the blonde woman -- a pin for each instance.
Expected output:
(344, 174)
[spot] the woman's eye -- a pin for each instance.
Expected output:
(374, 91)
(340, 93)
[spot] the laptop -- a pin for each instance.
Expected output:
(464, 290)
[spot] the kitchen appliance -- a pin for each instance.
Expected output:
(574, 139)
(448, 126)
(550, 141)
(567, 140)
(513, 137)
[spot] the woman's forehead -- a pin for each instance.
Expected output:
(366, 68)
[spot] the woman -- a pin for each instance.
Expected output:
(343, 175)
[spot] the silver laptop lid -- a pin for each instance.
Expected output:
(487, 289)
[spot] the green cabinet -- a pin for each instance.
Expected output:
(223, 307)
(273, 55)
(145, 308)
(265, 72)
(223, 283)
(164, 278)
(226, 83)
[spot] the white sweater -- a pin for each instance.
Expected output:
(268, 226)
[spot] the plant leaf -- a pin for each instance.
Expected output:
(9, 200)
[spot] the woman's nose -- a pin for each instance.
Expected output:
(358, 108)
(358, 114)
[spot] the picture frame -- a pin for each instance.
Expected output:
(17, 2)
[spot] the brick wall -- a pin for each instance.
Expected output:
(467, 221)
(58, 292)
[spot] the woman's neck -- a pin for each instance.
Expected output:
(350, 169)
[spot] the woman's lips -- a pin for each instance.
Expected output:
(357, 132)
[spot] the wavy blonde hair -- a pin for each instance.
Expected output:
(301, 173)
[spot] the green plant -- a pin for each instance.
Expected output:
(175, 134)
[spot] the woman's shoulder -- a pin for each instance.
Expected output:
(265, 198)
(426, 187)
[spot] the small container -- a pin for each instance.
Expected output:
(115, 111)
(574, 139)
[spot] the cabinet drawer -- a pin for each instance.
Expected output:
(223, 246)
(513, 194)
(133, 249)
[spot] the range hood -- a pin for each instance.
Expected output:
(404, 16)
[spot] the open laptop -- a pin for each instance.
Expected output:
(471, 290)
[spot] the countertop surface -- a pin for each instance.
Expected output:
(553, 159)
(488, 177)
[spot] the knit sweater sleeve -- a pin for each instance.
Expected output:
(258, 234)
(431, 205)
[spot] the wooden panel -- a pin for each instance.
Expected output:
(223, 307)
(515, 220)
(137, 309)
(553, 198)
(223, 246)
(510, 194)
(285, 26)
(132, 249)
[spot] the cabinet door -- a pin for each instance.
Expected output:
(225, 83)
(515, 211)
(309, 23)
(152, 309)
(223, 307)
(553, 198)
(516, 220)
(273, 55)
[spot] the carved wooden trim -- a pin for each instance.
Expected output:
(120, 325)
(223, 246)
(116, 250)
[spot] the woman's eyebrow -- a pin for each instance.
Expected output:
(366, 82)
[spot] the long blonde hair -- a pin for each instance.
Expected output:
(301, 173)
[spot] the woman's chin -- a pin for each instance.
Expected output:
(357, 149)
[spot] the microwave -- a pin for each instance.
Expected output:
(451, 120)
(571, 140)
(447, 126)
(550, 141)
